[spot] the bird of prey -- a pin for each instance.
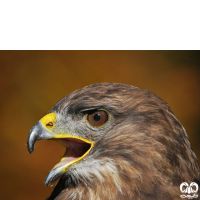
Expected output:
(122, 143)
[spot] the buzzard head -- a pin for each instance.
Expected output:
(121, 143)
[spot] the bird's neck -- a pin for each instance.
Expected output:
(102, 179)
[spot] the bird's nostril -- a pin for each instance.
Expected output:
(49, 124)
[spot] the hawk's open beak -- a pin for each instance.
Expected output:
(76, 147)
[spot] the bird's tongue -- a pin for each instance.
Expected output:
(71, 155)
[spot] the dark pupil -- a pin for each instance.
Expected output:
(97, 117)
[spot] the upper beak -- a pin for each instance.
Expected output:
(37, 132)
(42, 130)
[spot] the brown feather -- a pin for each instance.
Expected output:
(144, 153)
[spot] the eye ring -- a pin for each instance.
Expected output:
(97, 118)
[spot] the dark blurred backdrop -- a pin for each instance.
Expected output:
(31, 82)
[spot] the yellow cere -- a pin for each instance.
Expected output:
(49, 118)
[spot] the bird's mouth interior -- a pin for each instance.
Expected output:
(76, 149)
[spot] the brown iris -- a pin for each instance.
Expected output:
(98, 117)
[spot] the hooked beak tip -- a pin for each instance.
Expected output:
(37, 132)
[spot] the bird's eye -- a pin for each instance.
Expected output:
(97, 118)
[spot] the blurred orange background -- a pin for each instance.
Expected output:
(31, 82)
